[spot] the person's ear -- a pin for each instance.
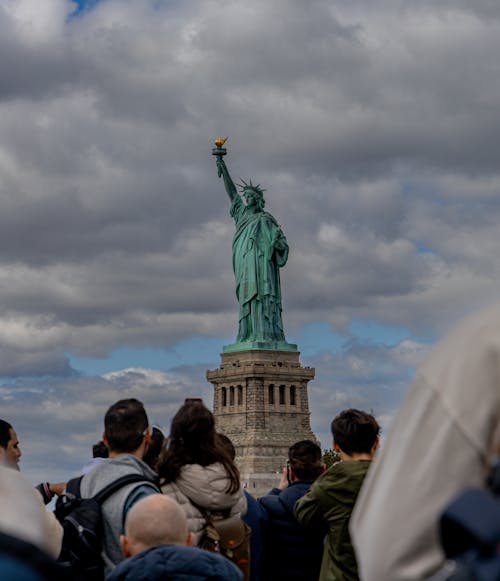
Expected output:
(323, 468)
(375, 445)
(105, 440)
(336, 448)
(189, 540)
(147, 436)
(125, 545)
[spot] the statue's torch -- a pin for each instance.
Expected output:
(219, 151)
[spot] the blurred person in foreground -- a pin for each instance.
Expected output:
(289, 550)
(332, 496)
(27, 547)
(157, 545)
(440, 443)
(10, 454)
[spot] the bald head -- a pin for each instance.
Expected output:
(152, 521)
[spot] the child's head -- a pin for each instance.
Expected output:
(355, 432)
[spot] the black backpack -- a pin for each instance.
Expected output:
(81, 519)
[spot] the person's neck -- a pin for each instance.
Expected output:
(355, 456)
(139, 453)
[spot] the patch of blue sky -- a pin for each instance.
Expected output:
(318, 337)
(423, 248)
(366, 331)
(192, 351)
(82, 6)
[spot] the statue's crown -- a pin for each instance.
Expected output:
(256, 188)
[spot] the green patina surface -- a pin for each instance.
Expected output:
(260, 249)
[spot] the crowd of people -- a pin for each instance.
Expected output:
(358, 519)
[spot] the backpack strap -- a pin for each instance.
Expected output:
(73, 486)
(110, 489)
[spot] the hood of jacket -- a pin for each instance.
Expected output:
(207, 486)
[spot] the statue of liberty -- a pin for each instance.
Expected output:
(260, 249)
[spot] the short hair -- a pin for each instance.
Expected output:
(5, 435)
(355, 431)
(305, 460)
(124, 425)
(155, 520)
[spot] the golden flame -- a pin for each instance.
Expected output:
(219, 142)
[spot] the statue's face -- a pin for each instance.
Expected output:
(252, 198)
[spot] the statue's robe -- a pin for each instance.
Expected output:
(256, 264)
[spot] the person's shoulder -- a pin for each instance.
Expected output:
(271, 502)
(176, 560)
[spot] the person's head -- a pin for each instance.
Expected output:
(126, 428)
(154, 520)
(100, 450)
(10, 452)
(155, 447)
(306, 460)
(193, 440)
(355, 433)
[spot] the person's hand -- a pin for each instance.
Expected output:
(284, 479)
(57, 488)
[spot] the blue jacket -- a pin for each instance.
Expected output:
(254, 516)
(23, 561)
(289, 551)
(176, 562)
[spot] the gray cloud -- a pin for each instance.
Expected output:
(375, 130)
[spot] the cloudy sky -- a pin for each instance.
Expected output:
(374, 127)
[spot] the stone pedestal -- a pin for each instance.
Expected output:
(261, 403)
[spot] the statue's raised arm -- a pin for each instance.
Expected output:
(219, 151)
(228, 181)
(260, 249)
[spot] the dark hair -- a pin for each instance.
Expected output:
(193, 440)
(305, 460)
(100, 450)
(124, 425)
(226, 443)
(155, 447)
(5, 436)
(355, 431)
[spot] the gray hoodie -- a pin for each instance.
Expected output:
(113, 508)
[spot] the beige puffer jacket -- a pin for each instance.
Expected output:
(205, 486)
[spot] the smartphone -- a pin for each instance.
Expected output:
(288, 478)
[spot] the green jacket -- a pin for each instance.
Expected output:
(331, 499)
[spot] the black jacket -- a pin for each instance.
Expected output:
(289, 551)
